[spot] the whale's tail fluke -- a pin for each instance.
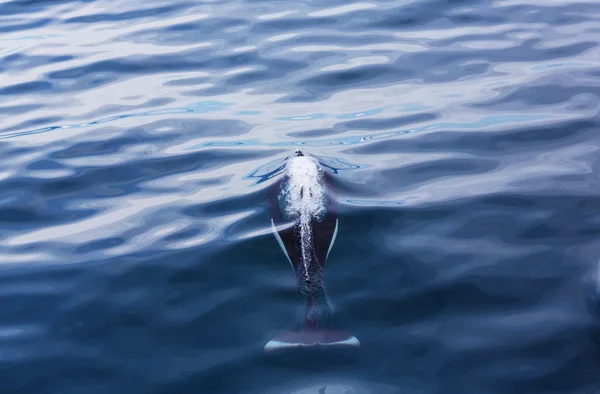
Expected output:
(311, 338)
(315, 330)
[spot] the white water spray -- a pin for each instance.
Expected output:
(304, 199)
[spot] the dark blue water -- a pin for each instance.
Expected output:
(138, 140)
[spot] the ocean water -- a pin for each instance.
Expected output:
(138, 140)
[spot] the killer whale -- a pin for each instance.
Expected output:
(305, 224)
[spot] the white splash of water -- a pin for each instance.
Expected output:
(304, 199)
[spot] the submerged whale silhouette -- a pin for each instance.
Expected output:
(305, 224)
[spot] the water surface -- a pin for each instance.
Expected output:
(138, 140)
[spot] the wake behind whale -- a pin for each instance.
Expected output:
(305, 224)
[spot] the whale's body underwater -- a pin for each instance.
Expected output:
(305, 224)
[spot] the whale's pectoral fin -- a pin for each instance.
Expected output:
(280, 242)
(311, 338)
